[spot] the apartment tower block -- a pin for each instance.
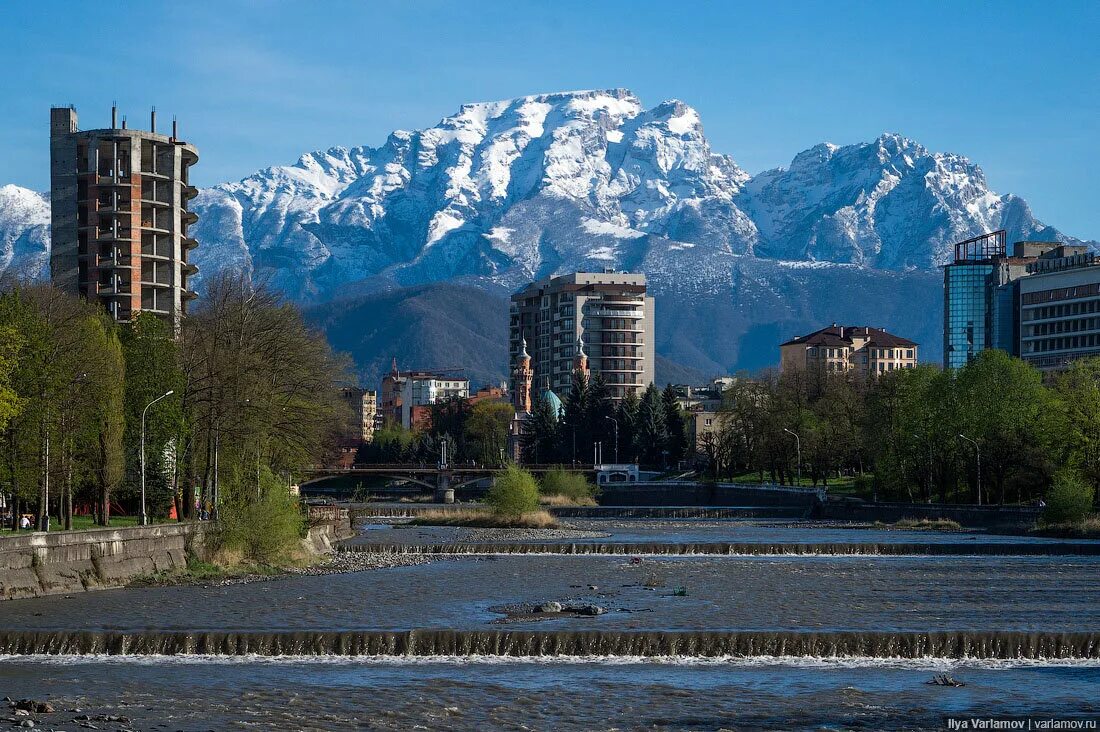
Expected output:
(120, 216)
(606, 317)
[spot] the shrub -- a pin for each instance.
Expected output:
(514, 493)
(1069, 500)
(559, 482)
(264, 528)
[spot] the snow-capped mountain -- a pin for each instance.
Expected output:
(501, 192)
(581, 180)
(24, 232)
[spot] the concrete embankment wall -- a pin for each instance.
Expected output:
(987, 517)
(63, 562)
(33, 564)
(690, 493)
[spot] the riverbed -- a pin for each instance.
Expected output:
(680, 642)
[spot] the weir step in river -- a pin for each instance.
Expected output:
(1006, 549)
(522, 643)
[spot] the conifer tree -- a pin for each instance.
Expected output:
(651, 436)
(675, 425)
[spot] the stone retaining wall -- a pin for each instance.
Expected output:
(63, 562)
(38, 563)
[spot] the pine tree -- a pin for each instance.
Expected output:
(539, 440)
(600, 409)
(575, 430)
(627, 415)
(675, 425)
(652, 435)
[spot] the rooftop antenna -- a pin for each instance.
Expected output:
(123, 121)
(114, 115)
(153, 120)
(174, 135)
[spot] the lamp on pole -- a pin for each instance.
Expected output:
(978, 452)
(144, 516)
(616, 423)
(798, 447)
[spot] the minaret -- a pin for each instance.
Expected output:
(523, 377)
(580, 361)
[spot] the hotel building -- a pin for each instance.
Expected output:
(605, 316)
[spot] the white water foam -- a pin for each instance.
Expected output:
(796, 662)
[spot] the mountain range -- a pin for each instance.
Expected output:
(410, 248)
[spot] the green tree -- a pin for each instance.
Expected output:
(1005, 408)
(487, 429)
(568, 483)
(651, 433)
(1070, 498)
(627, 415)
(675, 425)
(11, 342)
(514, 493)
(539, 439)
(575, 430)
(152, 369)
(1078, 393)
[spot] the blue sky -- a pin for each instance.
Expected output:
(1015, 86)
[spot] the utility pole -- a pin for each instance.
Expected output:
(144, 515)
(978, 452)
(798, 447)
(616, 423)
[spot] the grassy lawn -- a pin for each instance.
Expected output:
(87, 522)
(840, 486)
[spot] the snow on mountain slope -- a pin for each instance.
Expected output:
(24, 232)
(501, 192)
(504, 191)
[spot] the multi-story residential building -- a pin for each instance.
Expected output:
(844, 348)
(407, 396)
(1059, 304)
(981, 296)
(363, 404)
(606, 316)
(120, 216)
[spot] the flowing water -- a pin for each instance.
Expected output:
(806, 641)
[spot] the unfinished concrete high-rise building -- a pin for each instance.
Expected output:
(120, 216)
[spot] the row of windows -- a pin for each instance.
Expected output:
(1061, 293)
(1062, 326)
(1061, 311)
(1062, 344)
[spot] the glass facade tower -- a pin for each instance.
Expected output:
(968, 305)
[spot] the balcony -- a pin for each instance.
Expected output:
(614, 313)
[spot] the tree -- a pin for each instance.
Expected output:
(486, 433)
(152, 369)
(261, 388)
(1070, 498)
(575, 430)
(109, 380)
(11, 342)
(675, 425)
(1078, 392)
(514, 493)
(651, 434)
(627, 415)
(539, 439)
(1003, 406)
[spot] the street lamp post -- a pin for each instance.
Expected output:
(144, 516)
(978, 452)
(616, 423)
(798, 447)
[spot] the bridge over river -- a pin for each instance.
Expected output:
(442, 480)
